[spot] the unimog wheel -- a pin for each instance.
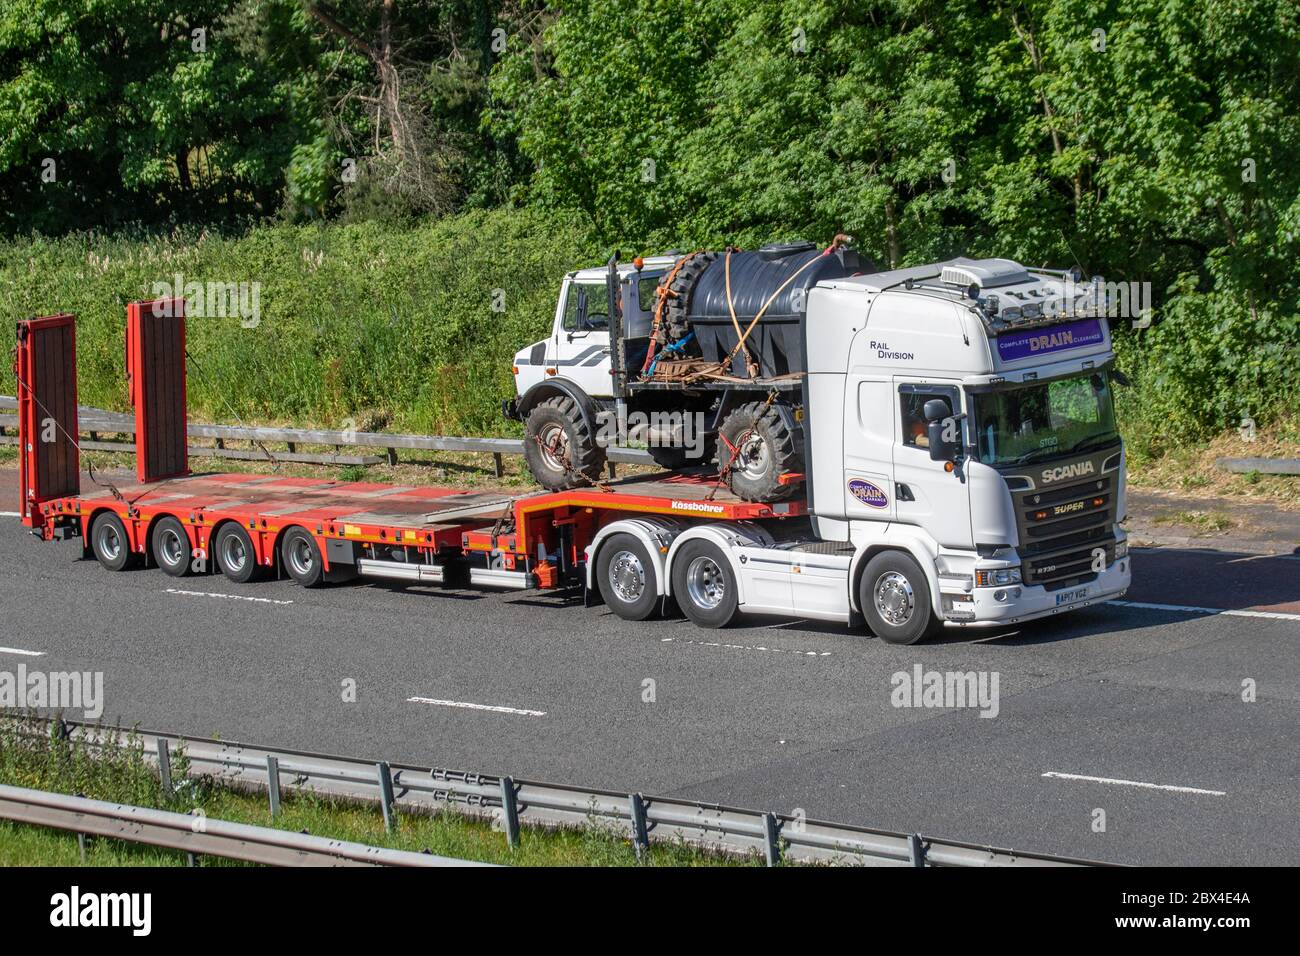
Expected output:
(676, 323)
(560, 447)
(759, 442)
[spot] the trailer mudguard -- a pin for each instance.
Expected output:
(657, 534)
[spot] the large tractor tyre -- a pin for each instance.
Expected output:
(560, 446)
(895, 599)
(760, 444)
(676, 323)
(679, 459)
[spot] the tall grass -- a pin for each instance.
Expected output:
(389, 325)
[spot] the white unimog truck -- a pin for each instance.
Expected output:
(953, 426)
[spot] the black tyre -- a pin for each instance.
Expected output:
(560, 447)
(760, 442)
(234, 553)
(170, 547)
(676, 323)
(704, 585)
(895, 599)
(109, 542)
(677, 459)
(627, 578)
(301, 557)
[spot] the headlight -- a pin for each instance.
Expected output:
(1121, 549)
(998, 578)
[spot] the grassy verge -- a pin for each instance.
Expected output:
(31, 757)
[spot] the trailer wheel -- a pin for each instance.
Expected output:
(109, 542)
(235, 554)
(895, 599)
(560, 447)
(761, 447)
(627, 578)
(170, 546)
(704, 585)
(301, 557)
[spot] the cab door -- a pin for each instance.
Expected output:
(580, 349)
(926, 494)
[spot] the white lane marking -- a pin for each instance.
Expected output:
(229, 597)
(10, 514)
(19, 650)
(1191, 609)
(1136, 783)
(494, 708)
(745, 647)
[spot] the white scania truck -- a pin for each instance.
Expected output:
(955, 431)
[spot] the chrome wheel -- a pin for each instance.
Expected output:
(554, 447)
(627, 577)
(894, 598)
(705, 583)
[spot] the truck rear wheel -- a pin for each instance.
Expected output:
(627, 579)
(761, 447)
(171, 547)
(109, 542)
(704, 585)
(235, 555)
(560, 447)
(895, 599)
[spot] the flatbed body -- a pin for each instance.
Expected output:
(540, 536)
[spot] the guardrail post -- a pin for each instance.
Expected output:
(771, 839)
(164, 766)
(273, 783)
(612, 470)
(392, 455)
(510, 810)
(386, 793)
(916, 849)
(640, 832)
(498, 464)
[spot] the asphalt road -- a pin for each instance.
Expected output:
(771, 714)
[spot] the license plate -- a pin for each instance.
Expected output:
(1069, 597)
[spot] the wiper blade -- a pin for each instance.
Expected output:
(1093, 441)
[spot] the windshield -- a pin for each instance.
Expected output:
(1061, 417)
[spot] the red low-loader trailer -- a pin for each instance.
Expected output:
(616, 540)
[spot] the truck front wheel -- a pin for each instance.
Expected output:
(560, 446)
(895, 599)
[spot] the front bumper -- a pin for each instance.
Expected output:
(1036, 601)
(510, 409)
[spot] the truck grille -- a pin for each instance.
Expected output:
(1061, 528)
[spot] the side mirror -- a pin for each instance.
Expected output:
(942, 449)
(935, 409)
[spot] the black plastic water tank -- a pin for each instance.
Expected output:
(776, 341)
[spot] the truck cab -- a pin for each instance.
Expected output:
(963, 412)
